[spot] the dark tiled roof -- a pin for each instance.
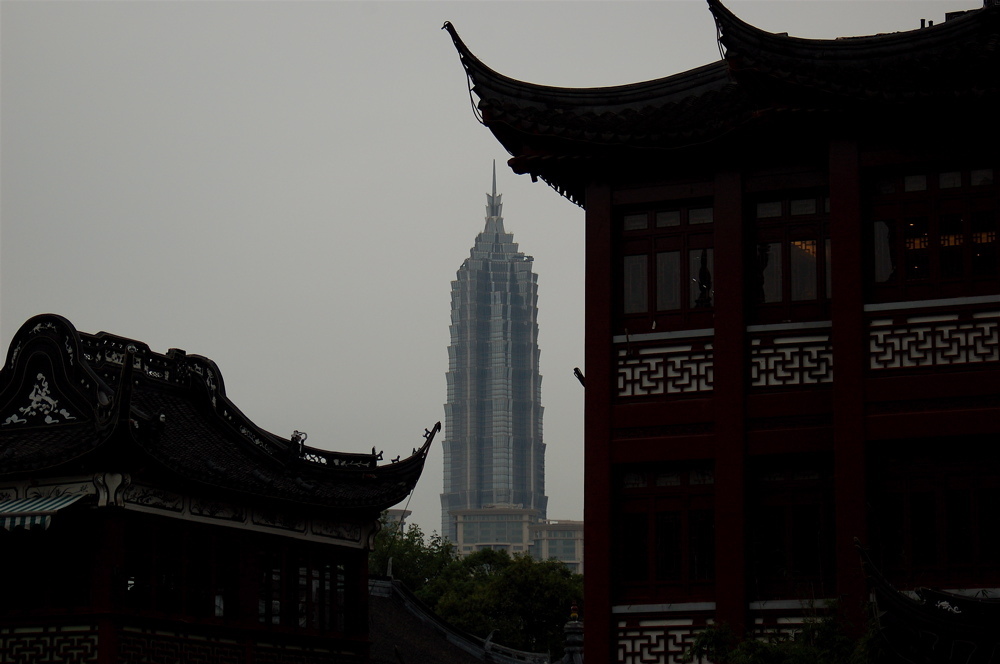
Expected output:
(403, 630)
(65, 395)
(538, 123)
(956, 60)
(564, 135)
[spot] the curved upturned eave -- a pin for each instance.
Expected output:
(597, 99)
(294, 483)
(739, 36)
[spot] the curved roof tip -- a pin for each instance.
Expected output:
(463, 50)
(429, 438)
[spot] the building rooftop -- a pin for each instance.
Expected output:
(70, 400)
(556, 133)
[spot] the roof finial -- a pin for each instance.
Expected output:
(494, 207)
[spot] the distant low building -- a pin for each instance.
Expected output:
(146, 519)
(397, 517)
(559, 540)
(498, 528)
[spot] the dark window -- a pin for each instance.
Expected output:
(667, 267)
(304, 587)
(665, 533)
(790, 257)
(933, 506)
(791, 527)
(43, 578)
(932, 234)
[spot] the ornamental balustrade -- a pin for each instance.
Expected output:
(660, 634)
(936, 335)
(666, 364)
(683, 363)
(790, 354)
(903, 336)
(664, 634)
(69, 644)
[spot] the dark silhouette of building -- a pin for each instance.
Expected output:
(406, 631)
(743, 425)
(146, 519)
(494, 458)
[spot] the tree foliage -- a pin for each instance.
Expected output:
(522, 602)
(415, 559)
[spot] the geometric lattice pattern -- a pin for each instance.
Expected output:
(152, 648)
(657, 641)
(778, 361)
(939, 343)
(75, 644)
(149, 649)
(665, 370)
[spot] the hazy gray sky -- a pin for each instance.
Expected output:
(288, 189)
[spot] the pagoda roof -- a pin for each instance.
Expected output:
(956, 59)
(71, 401)
(559, 134)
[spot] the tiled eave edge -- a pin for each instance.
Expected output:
(114, 489)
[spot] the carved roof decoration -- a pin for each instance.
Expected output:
(70, 400)
(565, 135)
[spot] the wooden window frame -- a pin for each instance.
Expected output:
(647, 571)
(693, 232)
(913, 251)
(785, 226)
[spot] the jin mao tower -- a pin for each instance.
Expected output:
(494, 458)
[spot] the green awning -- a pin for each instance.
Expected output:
(33, 512)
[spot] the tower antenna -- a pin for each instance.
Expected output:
(494, 208)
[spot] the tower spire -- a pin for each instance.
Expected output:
(494, 208)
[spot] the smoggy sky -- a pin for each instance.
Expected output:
(288, 188)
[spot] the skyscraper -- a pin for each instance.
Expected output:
(494, 458)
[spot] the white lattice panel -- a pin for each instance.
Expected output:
(778, 629)
(656, 641)
(41, 645)
(665, 370)
(933, 343)
(797, 360)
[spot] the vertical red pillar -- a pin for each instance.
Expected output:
(849, 359)
(600, 644)
(361, 598)
(252, 565)
(108, 582)
(729, 402)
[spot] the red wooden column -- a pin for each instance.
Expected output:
(849, 360)
(251, 565)
(359, 598)
(729, 402)
(107, 582)
(600, 644)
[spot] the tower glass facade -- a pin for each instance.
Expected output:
(493, 451)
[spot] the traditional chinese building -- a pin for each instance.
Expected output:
(743, 426)
(146, 519)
